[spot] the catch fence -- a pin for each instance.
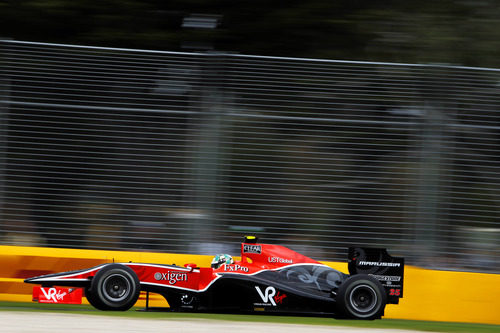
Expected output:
(108, 148)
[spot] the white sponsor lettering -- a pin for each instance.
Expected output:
(235, 268)
(386, 277)
(171, 277)
(252, 249)
(267, 296)
(279, 260)
(53, 294)
(379, 264)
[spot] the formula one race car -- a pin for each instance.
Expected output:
(268, 279)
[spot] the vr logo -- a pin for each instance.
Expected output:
(268, 295)
(53, 294)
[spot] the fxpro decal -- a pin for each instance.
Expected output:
(270, 297)
(235, 268)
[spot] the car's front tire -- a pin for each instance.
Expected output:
(361, 297)
(115, 287)
(92, 299)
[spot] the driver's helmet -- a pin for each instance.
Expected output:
(220, 259)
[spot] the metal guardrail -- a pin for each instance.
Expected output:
(185, 152)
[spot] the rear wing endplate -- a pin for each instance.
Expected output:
(388, 270)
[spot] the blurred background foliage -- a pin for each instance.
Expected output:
(431, 185)
(462, 32)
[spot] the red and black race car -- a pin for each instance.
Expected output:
(268, 279)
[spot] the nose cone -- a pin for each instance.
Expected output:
(32, 280)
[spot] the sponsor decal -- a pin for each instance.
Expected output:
(390, 278)
(235, 268)
(379, 264)
(395, 292)
(279, 260)
(171, 277)
(267, 295)
(270, 296)
(53, 295)
(187, 299)
(250, 248)
(57, 295)
(279, 298)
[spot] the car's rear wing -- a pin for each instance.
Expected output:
(378, 263)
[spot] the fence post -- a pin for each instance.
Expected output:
(207, 148)
(4, 119)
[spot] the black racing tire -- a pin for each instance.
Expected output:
(114, 288)
(93, 300)
(361, 297)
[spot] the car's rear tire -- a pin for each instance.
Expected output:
(361, 297)
(115, 287)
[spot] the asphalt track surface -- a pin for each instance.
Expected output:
(31, 322)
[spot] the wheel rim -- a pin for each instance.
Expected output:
(363, 298)
(116, 287)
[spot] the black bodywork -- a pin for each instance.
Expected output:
(268, 279)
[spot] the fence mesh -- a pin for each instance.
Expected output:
(186, 152)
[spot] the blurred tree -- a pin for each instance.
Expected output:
(448, 31)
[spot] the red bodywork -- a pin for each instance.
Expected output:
(267, 278)
(254, 259)
(57, 295)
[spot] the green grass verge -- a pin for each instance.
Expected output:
(428, 326)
